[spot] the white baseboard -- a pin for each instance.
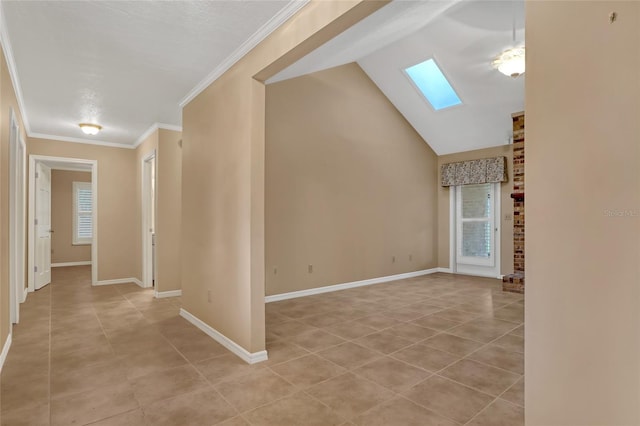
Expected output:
(449, 271)
(25, 292)
(344, 286)
(170, 293)
(120, 281)
(5, 351)
(58, 265)
(242, 353)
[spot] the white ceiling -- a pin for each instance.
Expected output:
(125, 65)
(463, 37)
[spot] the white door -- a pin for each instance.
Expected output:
(43, 226)
(16, 219)
(477, 230)
(149, 263)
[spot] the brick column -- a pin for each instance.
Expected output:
(515, 281)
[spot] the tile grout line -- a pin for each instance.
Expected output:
(499, 397)
(106, 336)
(437, 373)
(482, 346)
(211, 385)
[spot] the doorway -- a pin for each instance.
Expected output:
(39, 221)
(476, 234)
(17, 231)
(149, 219)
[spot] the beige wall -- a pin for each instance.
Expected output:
(118, 208)
(8, 102)
(582, 353)
(506, 207)
(62, 248)
(169, 212)
(223, 176)
(349, 184)
(168, 204)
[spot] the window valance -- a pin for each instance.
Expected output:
(486, 170)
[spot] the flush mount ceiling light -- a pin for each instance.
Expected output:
(510, 62)
(90, 129)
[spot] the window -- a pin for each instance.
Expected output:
(82, 213)
(433, 84)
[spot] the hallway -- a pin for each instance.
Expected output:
(438, 349)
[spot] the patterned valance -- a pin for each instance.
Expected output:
(486, 170)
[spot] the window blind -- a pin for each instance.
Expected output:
(83, 213)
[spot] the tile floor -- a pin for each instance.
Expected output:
(434, 350)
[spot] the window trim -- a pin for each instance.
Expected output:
(74, 230)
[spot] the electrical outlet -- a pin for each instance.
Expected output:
(508, 216)
(209, 296)
(310, 269)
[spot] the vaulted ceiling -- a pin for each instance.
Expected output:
(130, 66)
(463, 37)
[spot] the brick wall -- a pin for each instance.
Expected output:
(515, 281)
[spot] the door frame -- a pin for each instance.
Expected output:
(70, 164)
(453, 241)
(17, 209)
(147, 247)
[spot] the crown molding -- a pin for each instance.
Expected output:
(80, 140)
(173, 127)
(11, 65)
(146, 134)
(280, 18)
(153, 128)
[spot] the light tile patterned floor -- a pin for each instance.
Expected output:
(439, 349)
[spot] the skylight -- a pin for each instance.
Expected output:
(433, 84)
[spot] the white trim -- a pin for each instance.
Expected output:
(344, 286)
(25, 292)
(475, 267)
(149, 131)
(119, 281)
(242, 353)
(444, 270)
(17, 216)
(94, 221)
(5, 351)
(280, 18)
(13, 73)
(147, 237)
(169, 293)
(72, 169)
(80, 140)
(479, 274)
(33, 159)
(452, 229)
(153, 128)
(63, 264)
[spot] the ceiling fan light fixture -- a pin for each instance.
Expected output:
(510, 62)
(90, 129)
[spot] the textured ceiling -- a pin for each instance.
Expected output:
(463, 37)
(123, 64)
